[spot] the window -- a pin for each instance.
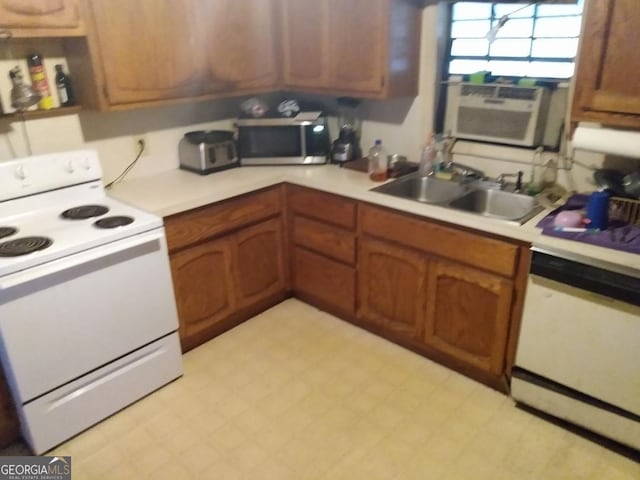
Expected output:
(538, 40)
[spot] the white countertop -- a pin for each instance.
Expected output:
(176, 191)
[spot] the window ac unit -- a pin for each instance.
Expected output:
(500, 113)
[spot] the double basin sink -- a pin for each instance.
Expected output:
(464, 196)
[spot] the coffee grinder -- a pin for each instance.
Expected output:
(347, 146)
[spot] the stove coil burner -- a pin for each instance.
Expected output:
(23, 246)
(113, 222)
(85, 211)
(7, 231)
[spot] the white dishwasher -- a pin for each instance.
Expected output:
(579, 348)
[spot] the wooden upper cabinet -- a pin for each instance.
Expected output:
(238, 44)
(305, 35)
(183, 48)
(357, 40)
(606, 90)
(39, 14)
(361, 48)
(148, 52)
(468, 314)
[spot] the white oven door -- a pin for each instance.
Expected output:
(63, 319)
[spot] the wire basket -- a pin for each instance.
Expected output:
(624, 209)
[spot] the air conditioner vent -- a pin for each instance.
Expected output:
(517, 93)
(500, 113)
(478, 90)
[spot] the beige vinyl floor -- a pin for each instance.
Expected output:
(295, 393)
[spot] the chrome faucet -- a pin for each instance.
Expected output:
(501, 180)
(465, 170)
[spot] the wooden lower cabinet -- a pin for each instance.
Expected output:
(258, 263)
(219, 282)
(392, 287)
(228, 262)
(322, 235)
(468, 312)
(328, 284)
(450, 293)
(203, 286)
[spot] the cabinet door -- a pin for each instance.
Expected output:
(148, 52)
(323, 282)
(392, 286)
(203, 286)
(357, 40)
(467, 315)
(608, 53)
(305, 42)
(258, 262)
(237, 44)
(38, 13)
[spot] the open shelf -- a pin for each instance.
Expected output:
(34, 114)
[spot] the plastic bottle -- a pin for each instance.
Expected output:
(63, 86)
(39, 81)
(550, 173)
(378, 163)
(427, 157)
(535, 184)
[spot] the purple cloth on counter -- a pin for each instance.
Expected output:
(618, 236)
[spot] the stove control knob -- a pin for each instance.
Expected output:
(21, 172)
(86, 164)
(68, 167)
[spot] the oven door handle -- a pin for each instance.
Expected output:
(119, 247)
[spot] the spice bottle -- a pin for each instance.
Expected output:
(39, 81)
(63, 86)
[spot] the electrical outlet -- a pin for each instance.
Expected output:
(138, 141)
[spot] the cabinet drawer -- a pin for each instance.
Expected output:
(476, 250)
(331, 241)
(330, 282)
(322, 206)
(195, 225)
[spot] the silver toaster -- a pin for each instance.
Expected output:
(207, 151)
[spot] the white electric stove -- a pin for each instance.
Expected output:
(88, 322)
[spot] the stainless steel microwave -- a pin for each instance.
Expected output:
(300, 140)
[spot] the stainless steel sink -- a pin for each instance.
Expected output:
(423, 189)
(468, 197)
(498, 204)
